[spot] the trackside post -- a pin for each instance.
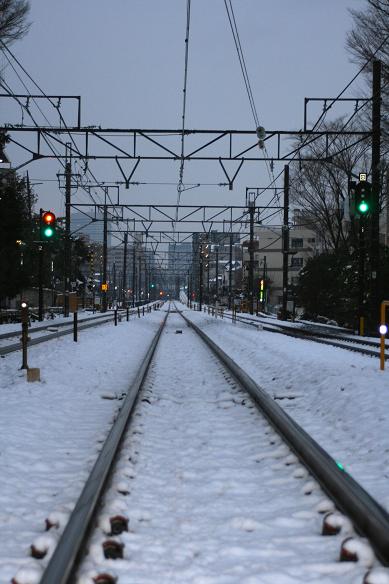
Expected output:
(383, 331)
(24, 319)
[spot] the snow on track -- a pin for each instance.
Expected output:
(339, 397)
(50, 432)
(211, 500)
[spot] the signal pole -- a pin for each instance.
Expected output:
(361, 277)
(285, 244)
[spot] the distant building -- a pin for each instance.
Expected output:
(91, 228)
(268, 256)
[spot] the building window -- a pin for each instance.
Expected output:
(297, 242)
(311, 240)
(297, 262)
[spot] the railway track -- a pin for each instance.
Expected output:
(230, 461)
(358, 345)
(67, 327)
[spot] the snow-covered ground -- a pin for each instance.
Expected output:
(59, 319)
(341, 398)
(203, 503)
(50, 432)
(210, 496)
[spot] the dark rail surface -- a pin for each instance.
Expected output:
(369, 518)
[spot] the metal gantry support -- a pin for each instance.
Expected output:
(251, 206)
(104, 299)
(285, 245)
(68, 240)
(239, 146)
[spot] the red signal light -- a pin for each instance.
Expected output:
(48, 218)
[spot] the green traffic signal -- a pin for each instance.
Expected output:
(363, 198)
(48, 232)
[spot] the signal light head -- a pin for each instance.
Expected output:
(363, 207)
(47, 224)
(48, 218)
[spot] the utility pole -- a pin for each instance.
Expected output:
(376, 189)
(201, 280)
(105, 253)
(285, 244)
(124, 281)
(133, 273)
(217, 273)
(208, 279)
(147, 280)
(29, 197)
(140, 277)
(251, 206)
(114, 297)
(230, 276)
(264, 276)
(68, 241)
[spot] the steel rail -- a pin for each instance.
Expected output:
(104, 319)
(49, 325)
(64, 560)
(316, 333)
(312, 336)
(369, 518)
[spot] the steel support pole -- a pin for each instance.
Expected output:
(68, 241)
(124, 282)
(140, 278)
(133, 274)
(285, 244)
(251, 262)
(105, 254)
(201, 282)
(114, 296)
(230, 276)
(376, 190)
(217, 274)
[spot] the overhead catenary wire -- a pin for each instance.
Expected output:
(180, 186)
(9, 54)
(238, 45)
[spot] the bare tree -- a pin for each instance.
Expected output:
(13, 23)
(371, 32)
(320, 189)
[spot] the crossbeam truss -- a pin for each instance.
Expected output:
(136, 145)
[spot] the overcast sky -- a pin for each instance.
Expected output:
(126, 59)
